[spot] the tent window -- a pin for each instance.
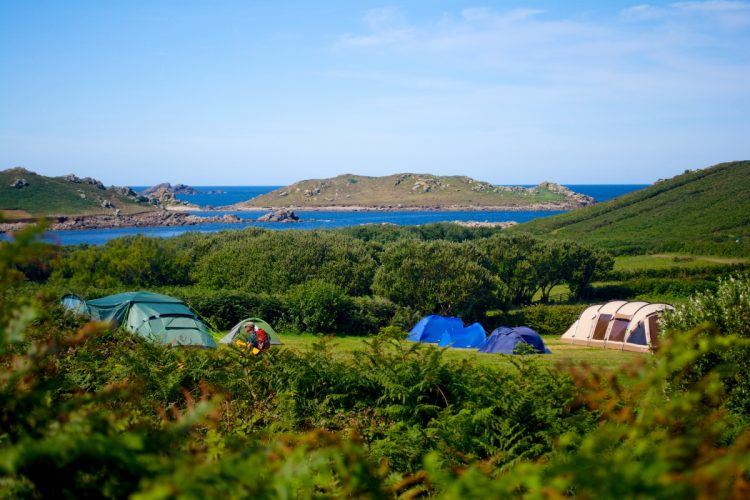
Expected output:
(653, 330)
(638, 336)
(618, 330)
(601, 327)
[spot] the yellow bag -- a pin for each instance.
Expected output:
(256, 351)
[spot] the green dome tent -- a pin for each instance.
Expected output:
(238, 332)
(164, 319)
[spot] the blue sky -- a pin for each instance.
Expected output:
(268, 92)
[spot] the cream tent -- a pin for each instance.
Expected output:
(629, 326)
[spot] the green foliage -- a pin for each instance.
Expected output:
(90, 412)
(273, 261)
(318, 306)
(728, 309)
(222, 309)
(544, 319)
(136, 261)
(48, 196)
(437, 276)
(703, 212)
(527, 265)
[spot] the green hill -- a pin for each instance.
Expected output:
(412, 191)
(702, 212)
(27, 194)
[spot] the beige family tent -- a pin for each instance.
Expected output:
(628, 326)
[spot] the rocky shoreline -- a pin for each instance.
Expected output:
(537, 207)
(155, 218)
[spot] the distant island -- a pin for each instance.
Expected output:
(415, 192)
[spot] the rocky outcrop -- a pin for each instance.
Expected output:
(473, 223)
(279, 215)
(156, 218)
(85, 180)
(167, 187)
(19, 183)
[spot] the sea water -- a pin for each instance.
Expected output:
(229, 195)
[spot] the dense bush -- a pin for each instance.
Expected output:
(652, 289)
(134, 261)
(222, 309)
(436, 276)
(274, 261)
(545, 319)
(728, 310)
(526, 265)
(319, 307)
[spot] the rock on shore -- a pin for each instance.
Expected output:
(160, 218)
(279, 215)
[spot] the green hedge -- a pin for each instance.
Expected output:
(545, 319)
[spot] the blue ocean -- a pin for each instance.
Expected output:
(218, 196)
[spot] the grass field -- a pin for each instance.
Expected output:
(561, 352)
(672, 261)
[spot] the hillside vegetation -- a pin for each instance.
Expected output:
(417, 191)
(37, 195)
(701, 212)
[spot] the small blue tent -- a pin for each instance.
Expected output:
(504, 340)
(431, 328)
(470, 337)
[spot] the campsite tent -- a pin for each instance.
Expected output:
(431, 328)
(157, 317)
(238, 331)
(74, 303)
(630, 326)
(503, 340)
(470, 337)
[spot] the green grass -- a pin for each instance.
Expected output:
(672, 261)
(406, 190)
(561, 351)
(704, 212)
(53, 196)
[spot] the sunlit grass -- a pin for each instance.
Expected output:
(562, 352)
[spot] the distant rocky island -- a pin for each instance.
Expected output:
(415, 192)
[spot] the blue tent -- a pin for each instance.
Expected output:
(504, 340)
(470, 337)
(431, 328)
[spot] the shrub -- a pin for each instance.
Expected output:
(319, 307)
(728, 309)
(274, 261)
(545, 319)
(435, 277)
(134, 261)
(222, 309)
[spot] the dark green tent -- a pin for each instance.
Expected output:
(157, 317)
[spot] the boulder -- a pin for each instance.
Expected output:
(279, 215)
(19, 183)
